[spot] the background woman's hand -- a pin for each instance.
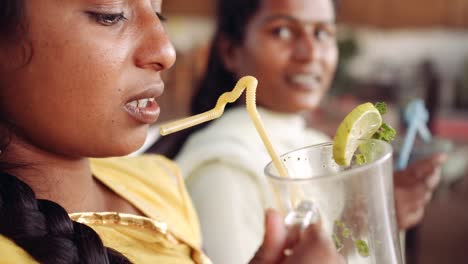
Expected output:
(312, 246)
(414, 187)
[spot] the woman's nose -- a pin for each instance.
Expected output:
(306, 49)
(156, 50)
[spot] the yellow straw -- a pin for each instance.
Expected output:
(249, 83)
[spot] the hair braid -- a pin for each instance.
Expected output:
(45, 231)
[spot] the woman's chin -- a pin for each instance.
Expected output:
(121, 148)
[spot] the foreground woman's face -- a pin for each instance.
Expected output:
(91, 60)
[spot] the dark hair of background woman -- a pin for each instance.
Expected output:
(41, 227)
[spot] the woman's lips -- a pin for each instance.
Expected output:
(144, 110)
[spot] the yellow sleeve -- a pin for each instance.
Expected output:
(13, 254)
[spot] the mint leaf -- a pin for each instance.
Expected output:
(362, 248)
(385, 133)
(382, 107)
(360, 159)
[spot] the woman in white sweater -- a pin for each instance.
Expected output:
(290, 47)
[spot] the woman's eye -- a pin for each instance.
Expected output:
(107, 19)
(283, 32)
(322, 34)
(161, 17)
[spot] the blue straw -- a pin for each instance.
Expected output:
(416, 117)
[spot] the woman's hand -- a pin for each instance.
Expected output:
(311, 246)
(414, 187)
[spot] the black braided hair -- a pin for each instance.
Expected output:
(44, 230)
(41, 227)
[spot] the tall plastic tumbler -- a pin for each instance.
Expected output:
(354, 204)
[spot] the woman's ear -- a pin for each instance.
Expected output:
(13, 55)
(229, 53)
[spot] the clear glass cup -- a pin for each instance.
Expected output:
(354, 204)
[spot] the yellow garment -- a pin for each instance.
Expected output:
(170, 233)
(10, 253)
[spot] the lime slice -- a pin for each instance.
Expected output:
(360, 124)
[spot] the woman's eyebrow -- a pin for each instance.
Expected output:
(278, 17)
(293, 19)
(106, 2)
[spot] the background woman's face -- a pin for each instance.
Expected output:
(91, 59)
(290, 46)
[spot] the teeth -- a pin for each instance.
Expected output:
(305, 79)
(141, 102)
(133, 104)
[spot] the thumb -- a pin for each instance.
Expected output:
(274, 241)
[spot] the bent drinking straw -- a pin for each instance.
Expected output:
(248, 83)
